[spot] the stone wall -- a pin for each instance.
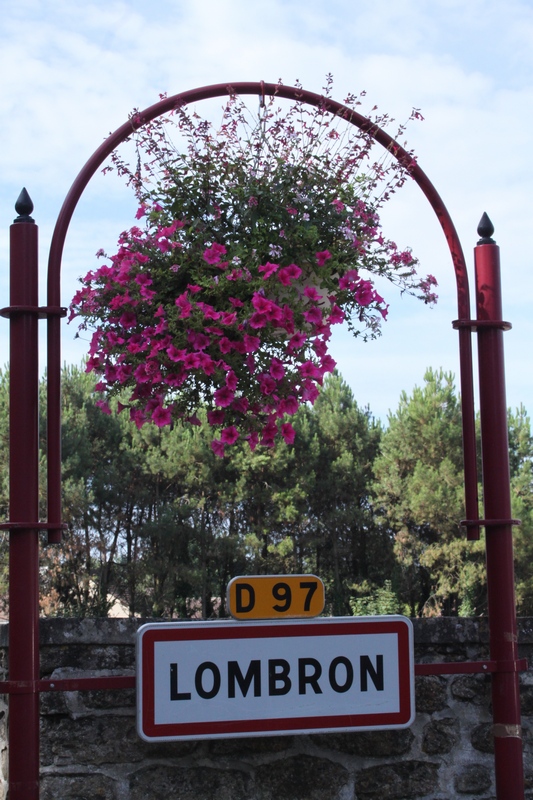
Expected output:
(90, 749)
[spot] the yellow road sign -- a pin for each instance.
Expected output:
(275, 596)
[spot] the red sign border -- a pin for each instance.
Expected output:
(149, 634)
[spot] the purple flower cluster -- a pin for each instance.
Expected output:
(255, 243)
(250, 355)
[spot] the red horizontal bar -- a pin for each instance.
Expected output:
(466, 667)
(33, 526)
(68, 684)
(494, 523)
(454, 668)
(110, 682)
(86, 684)
(43, 312)
(474, 324)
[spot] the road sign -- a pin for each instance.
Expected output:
(271, 596)
(219, 679)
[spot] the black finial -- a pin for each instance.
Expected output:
(24, 207)
(485, 229)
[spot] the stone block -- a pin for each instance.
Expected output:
(108, 699)
(440, 736)
(406, 779)
(81, 657)
(249, 746)
(78, 787)
(472, 689)
(526, 699)
(371, 744)
(300, 778)
(430, 694)
(90, 740)
(196, 783)
(482, 738)
(472, 779)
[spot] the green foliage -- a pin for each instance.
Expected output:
(159, 525)
(419, 495)
(521, 467)
(376, 600)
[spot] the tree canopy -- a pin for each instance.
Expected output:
(158, 525)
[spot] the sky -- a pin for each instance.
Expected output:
(70, 73)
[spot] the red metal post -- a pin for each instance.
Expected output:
(497, 503)
(24, 506)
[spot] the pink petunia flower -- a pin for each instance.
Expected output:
(224, 397)
(277, 370)
(143, 279)
(268, 269)
(309, 392)
(103, 406)
(182, 302)
(228, 318)
(257, 320)
(214, 253)
(289, 405)
(240, 405)
(216, 417)
(267, 384)
(198, 340)
(225, 345)
(209, 311)
(253, 440)
(364, 294)
(124, 372)
(313, 316)
(261, 303)
(231, 380)
(289, 274)
(141, 374)
(218, 448)
(336, 315)
(312, 294)
(191, 361)
(269, 433)
(162, 416)
(309, 370)
(229, 435)
(288, 432)
(296, 342)
(128, 320)
(251, 343)
(174, 354)
(322, 257)
(348, 279)
(327, 363)
(206, 363)
(137, 416)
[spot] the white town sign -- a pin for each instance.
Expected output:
(219, 679)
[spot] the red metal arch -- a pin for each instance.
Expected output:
(291, 93)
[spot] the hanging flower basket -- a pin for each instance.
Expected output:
(257, 238)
